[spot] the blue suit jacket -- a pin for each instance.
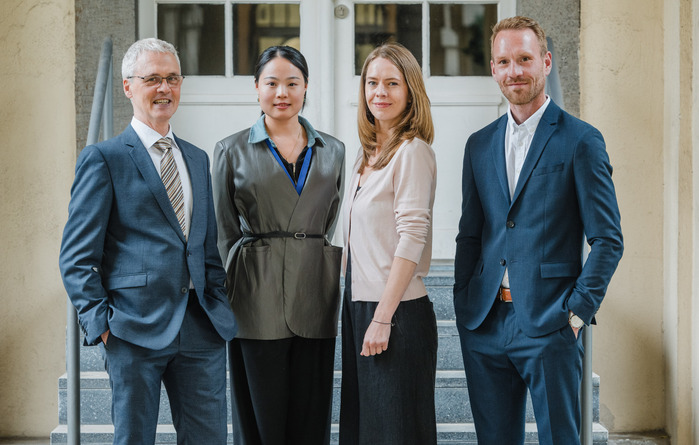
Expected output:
(564, 191)
(124, 260)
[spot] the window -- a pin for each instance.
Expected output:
(212, 37)
(458, 34)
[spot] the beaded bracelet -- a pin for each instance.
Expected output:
(383, 322)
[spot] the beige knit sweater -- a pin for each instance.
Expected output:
(391, 215)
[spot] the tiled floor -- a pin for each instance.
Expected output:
(639, 439)
(614, 439)
(24, 441)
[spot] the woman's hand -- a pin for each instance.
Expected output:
(376, 338)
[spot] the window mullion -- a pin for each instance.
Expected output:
(425, 39)
(228, 35)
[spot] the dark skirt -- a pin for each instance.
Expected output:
(281, 390)
(388, 399)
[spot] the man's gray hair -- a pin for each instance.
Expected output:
(128, 64)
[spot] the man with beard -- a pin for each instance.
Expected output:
(535, 182)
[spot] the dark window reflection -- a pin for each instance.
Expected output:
(460, 39)
(256, 27)
(197, 31)
(375, 24)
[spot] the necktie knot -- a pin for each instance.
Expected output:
(163, 144)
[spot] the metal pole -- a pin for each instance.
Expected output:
(586, 389)
(101, 96)
(73, 370)
(103, 76)
(586, 385)
(108, 113)
(553, 83)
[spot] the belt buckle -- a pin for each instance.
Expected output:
(502, 297)
(299, 235)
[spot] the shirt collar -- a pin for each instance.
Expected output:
(258, 132)
(148, 136)
(530, 124)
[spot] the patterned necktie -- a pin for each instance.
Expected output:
(171, 180)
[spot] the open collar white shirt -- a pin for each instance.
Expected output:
(518, 139)
(148, 137)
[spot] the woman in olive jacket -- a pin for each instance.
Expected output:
(277, 188)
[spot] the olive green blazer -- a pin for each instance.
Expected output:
(279, 287)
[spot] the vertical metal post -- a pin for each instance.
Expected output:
(553, 82)
(104, 77)
(586, 390)
(73, 370)
(586, 385)
(108, 110)
(101, 101)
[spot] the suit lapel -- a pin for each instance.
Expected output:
(498, 151)
(547, 125)
(144, 164)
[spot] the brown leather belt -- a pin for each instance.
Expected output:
(504, 295)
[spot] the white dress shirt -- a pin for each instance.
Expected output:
(518, 139)
(148, 137)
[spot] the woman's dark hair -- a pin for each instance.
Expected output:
(289, 53)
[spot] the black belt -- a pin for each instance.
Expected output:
(295, 235)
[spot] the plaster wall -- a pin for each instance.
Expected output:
(621, 78)
(37, 122)
(680, 220)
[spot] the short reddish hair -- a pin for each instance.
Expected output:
(519, 23)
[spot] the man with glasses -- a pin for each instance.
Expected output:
(139, 262)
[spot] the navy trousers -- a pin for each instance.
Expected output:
(193, 370)
(502, 363)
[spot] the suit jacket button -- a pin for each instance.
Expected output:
(510, 224)
(503, 262)
(184, 290)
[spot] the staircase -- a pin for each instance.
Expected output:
(454, 419)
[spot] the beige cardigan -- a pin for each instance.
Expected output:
(391, 215)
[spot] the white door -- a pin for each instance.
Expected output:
(219, 40)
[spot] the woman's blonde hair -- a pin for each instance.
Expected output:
(416, 120)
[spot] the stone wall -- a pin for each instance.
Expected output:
(561, 21)
(95, 20)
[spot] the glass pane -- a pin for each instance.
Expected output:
(460, 39)
(377, 23)
(197, 31)
(256, 27)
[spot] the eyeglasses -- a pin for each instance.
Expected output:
(156, 81)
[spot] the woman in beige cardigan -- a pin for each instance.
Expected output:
(389, 331)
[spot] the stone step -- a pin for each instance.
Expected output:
(447, 434)
(451, 399)
(448, 352)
